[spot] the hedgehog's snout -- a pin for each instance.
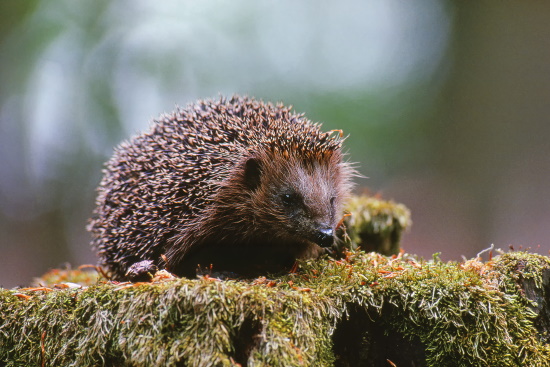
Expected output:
(325, 236)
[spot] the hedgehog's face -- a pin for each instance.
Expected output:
(303, 200)
(304, 219)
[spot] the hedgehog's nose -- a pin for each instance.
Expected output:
(325, 237)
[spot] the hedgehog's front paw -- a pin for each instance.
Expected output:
(142, 271)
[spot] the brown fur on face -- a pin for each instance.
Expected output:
(279, 207)
(238, 184)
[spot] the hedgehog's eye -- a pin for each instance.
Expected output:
(290, 199)
(332, 199)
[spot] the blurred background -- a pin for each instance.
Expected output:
(447, 106)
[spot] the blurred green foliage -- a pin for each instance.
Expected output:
(79, 77)
(440, 101)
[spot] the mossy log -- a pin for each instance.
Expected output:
(363, 310)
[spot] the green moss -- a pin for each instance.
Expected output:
(78, 276)
(375, 225)
(529, 279)
(365, 309)
(522, 266)
(459, 314)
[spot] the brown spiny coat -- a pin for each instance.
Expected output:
(238, 184)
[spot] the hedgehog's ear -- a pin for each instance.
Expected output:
(252, 173)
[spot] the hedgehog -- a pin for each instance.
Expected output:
(232, 185)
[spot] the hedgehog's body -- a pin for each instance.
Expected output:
(240, 185)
